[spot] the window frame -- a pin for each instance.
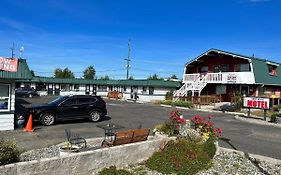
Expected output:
(6, 98)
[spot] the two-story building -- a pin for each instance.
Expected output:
(218, 72)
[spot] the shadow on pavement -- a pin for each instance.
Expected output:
(252, 160)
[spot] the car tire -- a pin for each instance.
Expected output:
(95, 116)
(47, 118)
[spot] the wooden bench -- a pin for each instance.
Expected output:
(75, 139)
(129, 136)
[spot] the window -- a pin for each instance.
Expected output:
(102, 88)
(216, 68)
(220, 68)
(203, 69)
(41, 86)
(151, 90)
(4, 97)
(65, 87)
(84, 100)
(70, 102)
(261, 91)
(242, 67)
(272, 70)
(224, 68)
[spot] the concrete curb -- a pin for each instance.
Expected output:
(256, 156)
(177, 107)
(257, 121)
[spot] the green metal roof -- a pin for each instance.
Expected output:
(22, 73)
(260, 67)
(262, 75)
(155, 83)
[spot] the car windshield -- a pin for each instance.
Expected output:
(57, 100)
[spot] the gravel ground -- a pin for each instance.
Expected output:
(225, 163)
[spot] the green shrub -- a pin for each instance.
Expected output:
(181, 103)
(238, 102)
(9, 152)
(210, 147)
(113, 171)
(180, 157)
(166, 102)
(169, 95)
(168, 129)
(273, 117)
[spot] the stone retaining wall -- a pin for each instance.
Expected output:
(88, 161)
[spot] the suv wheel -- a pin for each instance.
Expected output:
(47, 119)
(95, 116)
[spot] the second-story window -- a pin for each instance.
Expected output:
(272, 70)
(242, 67)
(203, 69)
(220, 68)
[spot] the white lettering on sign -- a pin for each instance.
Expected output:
(255, 102)
(9, 64)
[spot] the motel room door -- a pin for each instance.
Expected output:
(50, 89)
(94, 89)
(57, 89)
(87, 90)
(134, 92)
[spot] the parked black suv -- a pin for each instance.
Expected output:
(26, 92)
(69, 108)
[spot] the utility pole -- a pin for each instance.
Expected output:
(13, 48)
(128, 59)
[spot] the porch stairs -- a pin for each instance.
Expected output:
(194, 87)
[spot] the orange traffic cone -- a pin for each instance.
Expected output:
(28, 127)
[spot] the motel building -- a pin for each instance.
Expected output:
(226, 74)
(141, 90)
(11, 70)
(15, 73)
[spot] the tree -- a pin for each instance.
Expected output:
(174, 77)
(32, 73)
(89, 73)
(65, 73)
(154, 77)
(105, 78)
(131, 78)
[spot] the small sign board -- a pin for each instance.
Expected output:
(256, 102)
(9, 64)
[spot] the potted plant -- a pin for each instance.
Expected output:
(68, 148)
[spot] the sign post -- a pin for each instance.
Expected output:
(257, 103)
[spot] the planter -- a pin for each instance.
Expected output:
(67, 150)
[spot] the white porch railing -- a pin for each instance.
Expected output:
(223, 77)
(197, 82)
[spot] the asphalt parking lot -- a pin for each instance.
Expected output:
(251, 138)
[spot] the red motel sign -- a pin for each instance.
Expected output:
(256, 102)
(9, 64)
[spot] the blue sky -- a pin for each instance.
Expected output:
(164, 34)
